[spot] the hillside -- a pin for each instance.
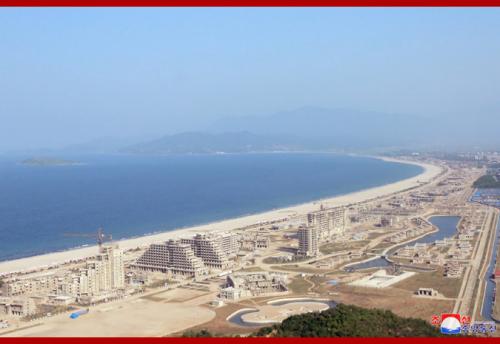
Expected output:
(350, 321)
(203, 143)
(49, 162)
(341, 128)
(344, 321)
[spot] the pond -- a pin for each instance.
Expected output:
(237, 319)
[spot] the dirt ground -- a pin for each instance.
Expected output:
(400, 301)
(449, 287)
(140, 317)
(219, 325)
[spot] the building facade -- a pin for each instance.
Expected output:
(329, 222)
(308, 242)
(173, 257)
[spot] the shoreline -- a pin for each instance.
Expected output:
(55, 258)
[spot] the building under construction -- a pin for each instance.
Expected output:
(17, 307)
(329, 222)
(191, 256)
(103, 276)
(173, 257)
(308, 241)
(254, 240)
(215, 250)
(250, 284)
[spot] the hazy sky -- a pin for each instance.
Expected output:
(69, 75)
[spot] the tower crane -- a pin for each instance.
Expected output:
(100, 236)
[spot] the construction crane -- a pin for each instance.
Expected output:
(99, 236)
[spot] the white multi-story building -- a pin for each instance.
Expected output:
(254, 240)
(173, 257)
(18, 307)
(329, 222)
(30, 286)
(109, 268)
(214, 249)
(104, 275)
(308, 242)
(253, 284)
(230, 243)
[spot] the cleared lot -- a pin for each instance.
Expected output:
(135, 318)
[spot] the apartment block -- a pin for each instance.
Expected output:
(329, 222)
(308, 241)
(18, 307)
(109, 268)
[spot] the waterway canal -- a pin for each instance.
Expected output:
(447, 228)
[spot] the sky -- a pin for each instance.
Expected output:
(72, 75)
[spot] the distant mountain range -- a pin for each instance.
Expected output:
(313, 128)
(49, 162)
(208, 143)
(340, 128)
(302, 129)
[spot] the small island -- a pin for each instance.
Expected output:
(49, 162)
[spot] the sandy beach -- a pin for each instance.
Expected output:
(29, 263)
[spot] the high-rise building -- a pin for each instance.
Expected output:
(328, 222)
(308, 242)
(109, 268)
(230, 243)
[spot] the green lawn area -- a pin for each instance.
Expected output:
(299, 285)
(339, 246)
(299, 268)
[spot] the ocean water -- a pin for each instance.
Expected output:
(135, 195)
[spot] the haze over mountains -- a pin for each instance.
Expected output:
(341, 128)
(310, 128)
(307, 128)
(314, 128)
(373, 79)
(230, 142)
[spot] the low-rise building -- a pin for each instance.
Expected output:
(17, 306)
(249, 284)
(429, 292)
(255, 240)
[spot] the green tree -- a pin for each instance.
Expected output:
(350, 321)
(487, 182)
(200, 334)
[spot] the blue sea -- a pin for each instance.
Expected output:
(135, 195)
